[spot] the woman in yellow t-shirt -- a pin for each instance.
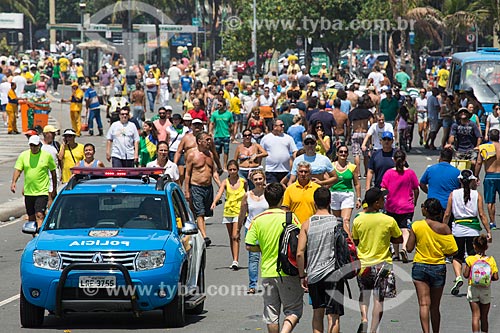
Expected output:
(70, 154)
(433, 241)
(324, 141)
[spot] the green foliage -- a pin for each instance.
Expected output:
(4, 46)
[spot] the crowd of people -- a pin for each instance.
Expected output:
(303, 127)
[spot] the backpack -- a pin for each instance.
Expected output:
(346, 257)
(480, 273)
(287, 248)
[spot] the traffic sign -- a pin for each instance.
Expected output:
(195, 21)
(470, 38)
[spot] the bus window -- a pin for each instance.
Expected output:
(456, 71)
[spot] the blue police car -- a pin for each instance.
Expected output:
(114, 240)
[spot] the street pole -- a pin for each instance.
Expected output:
(31, 36)
(52, 20)
(254, 36)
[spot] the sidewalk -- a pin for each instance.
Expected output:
(12, 204)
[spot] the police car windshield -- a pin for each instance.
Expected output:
(111, 211)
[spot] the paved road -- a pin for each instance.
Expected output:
(228, 308)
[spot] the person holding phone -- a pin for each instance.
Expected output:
(70, 154)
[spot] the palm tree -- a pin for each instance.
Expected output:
(25, 7)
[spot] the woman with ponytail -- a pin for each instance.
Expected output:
(402, 185)
(466, 204)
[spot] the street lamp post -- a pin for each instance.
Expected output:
(254, 36)
(82, 5)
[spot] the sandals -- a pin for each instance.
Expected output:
(251, 291)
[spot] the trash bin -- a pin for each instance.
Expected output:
(34, 114)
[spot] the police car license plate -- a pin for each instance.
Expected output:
(97, 282)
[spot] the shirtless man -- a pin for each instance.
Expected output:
(188, 145)
(351, 94)
(343, 124)
(491, 181)
(359, 119)
(138, 99)
(200, 169)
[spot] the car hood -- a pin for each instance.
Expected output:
(99, 240)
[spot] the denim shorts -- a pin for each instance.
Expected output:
(222, 143)
(433, 275)
(237, 117)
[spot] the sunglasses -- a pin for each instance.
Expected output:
(386, 139)
(123, 114)
(319, 127)
(247, 135)
(342, 151)
(310, 143)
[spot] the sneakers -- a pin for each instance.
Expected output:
(448, 260)
(456, 287)
(404, 256)
(234, 266)
(208, 241)
(493, 226)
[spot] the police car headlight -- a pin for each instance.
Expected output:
(46, 259)
(149, 260)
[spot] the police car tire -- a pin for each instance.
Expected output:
(174, 313)
(31, 315)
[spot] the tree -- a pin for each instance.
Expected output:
(20, 6)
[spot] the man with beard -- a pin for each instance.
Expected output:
(162, 123)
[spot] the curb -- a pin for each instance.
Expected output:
(14, 208)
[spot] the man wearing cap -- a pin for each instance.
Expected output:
(381, 161)
(465, 136)
(70, 154)
(36, 164)
(373, 233)
(123, 142)
(75, 107)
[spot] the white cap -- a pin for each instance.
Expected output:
(34, 140)
(17, 71)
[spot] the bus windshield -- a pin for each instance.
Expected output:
(484, 78)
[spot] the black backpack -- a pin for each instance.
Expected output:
(346, 257)
(287, 250)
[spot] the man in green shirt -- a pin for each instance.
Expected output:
(403, 78)
(263, 236)
(389, 106)
(36, 164)
(221, 127)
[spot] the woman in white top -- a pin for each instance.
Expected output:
(164, 93)
(421, 105)
(466, 204)
(151, 90)
(175, 133)
(492, 122)
(162, 161)
(253, 203)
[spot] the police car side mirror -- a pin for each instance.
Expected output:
(189, 228)
(30, 228)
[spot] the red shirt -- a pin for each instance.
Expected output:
(200, 114)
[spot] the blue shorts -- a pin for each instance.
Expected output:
(447, 122)
(237, 118)
(202, 198)
(220, 143)
(3, 107)
(433, 275)
(181, 161)
(491, 185)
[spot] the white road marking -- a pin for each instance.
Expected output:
(9, 223)
(8, 300)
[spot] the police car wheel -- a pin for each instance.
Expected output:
(31, 315)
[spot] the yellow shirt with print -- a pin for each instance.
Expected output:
(74, 105)
(71, 158)
(300, 200)
(443, 75)
(470, 260)
(64, 63)
(235, 105)
(374, 232)
(431, 248)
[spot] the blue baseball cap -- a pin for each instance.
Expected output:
(387, 135)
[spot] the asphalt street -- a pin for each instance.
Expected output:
(227, 308)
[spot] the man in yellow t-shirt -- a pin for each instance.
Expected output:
(64, 64)
(235, 108)
(12, 109)
(442, 77)
(263, 236)
(299, 197)
(373, 232)
(36, 164)
(75, 107)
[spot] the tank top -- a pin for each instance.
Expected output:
(320, 245)
(93, 165)
(255, 207)
(466, 223)
(233, 199)
(344, 184)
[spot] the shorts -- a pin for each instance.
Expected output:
(105, 90)
(435, 124)
(357, 142)
(469, 155)
(237, 117)
(447, 122)
(378, 278)
(491, 185)
(36, 204)
(463, 244)
(275, 177)
(244, 119)
(422, 117)
(202, 198)
(3, 107)
(328, 295)
(222, 143)
(342, 200)
(174, 84)
(404, 220)
(180, 162)
(478, 294)
(432, 275)
(283, 292)
(229, 219)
